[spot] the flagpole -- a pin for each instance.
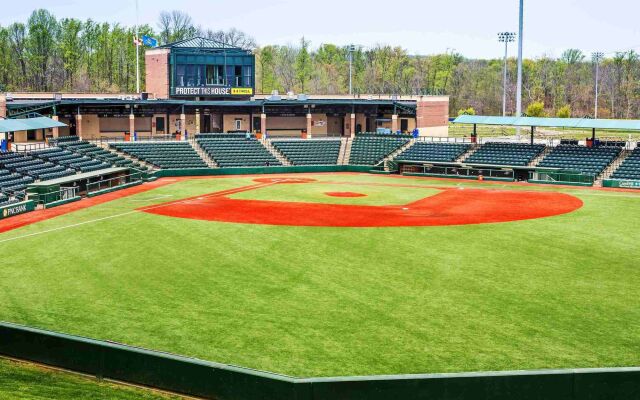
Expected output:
(137, 53)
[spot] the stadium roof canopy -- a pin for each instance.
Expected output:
(583, 123)
(27, 124)
(197, 43)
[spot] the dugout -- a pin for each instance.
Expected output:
(71, 188)
(466, 171)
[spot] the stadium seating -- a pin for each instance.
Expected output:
(309, 152)
(164, 155)
(70, 160)
(588, 160)
(33, 166)
(630, 167)
(370, 149)
(442, 152)
(235, 150)
(511, 154)
(98, 153)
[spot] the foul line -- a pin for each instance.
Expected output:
(220, 193)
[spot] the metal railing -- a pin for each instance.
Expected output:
(459, 171)
(105, 184)
(51, 196)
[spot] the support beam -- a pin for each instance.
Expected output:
(353, 125)
(56, 131)
(183, 126)
(533, 131)
(593, 135)
(197, 121)
(309, 125)
(79, 125)
(394, 123)
(132, 126)
(263, 124)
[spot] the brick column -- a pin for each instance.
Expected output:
(3, 106)
(56, 131)
(263, 124)
(394, 123)
(183, 125)
(132, 126)
(79, 126)
(309, 125)
(353, 125)
(197, 122)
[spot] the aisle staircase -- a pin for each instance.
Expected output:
(611, 168)
(345, 151)
(474, 147)
(278, 155)
(203, 154)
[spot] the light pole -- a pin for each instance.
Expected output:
(352, 48)
(597, 57)
(519, 89)
(506, 38)
(137, 53)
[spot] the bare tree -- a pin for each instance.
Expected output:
(232, 37)
(175, 25)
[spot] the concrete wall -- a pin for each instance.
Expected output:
(157, 73)
(228, 122)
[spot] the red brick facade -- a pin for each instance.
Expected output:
(157, 73)
(432, 113)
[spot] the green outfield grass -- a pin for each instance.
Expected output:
(548, 293)
(19, 381)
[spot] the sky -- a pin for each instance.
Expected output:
(424, 27)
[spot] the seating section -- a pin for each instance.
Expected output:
(511, 154)
(98, 153)
(11, 181)
(442, 152)
(630, 167)
(164, 155)
(370, 149)
(70, 160)
(237, 151)
(33, 167)
(309, 152)
(6, 200)
(588, 160)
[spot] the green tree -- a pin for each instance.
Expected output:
(41, 46)
(536, 109)
(303, 68)
(467, 111)
(564, 112)
(70, 48)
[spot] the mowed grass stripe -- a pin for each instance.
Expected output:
(548, 293)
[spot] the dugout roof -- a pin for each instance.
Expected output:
(25, 124)
(583, 123)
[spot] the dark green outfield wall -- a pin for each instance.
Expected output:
(261, 170)
(621, 183)
(225, 382)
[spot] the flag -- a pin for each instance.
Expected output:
(149, 41)
(137, 42)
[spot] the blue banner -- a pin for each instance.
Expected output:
(149, 41)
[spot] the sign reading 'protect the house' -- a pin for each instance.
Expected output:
(212, 91)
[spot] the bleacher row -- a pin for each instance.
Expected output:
(309, 152)
(236, 150)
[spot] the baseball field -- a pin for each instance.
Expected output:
(338, 274)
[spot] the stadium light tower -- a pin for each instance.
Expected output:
(352, 49)
(597, 57)
(519, 89)
(506, 38)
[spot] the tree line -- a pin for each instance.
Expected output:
(49, 54)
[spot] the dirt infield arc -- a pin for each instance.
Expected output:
(452, 206)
